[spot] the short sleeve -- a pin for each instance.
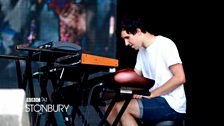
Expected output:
(171, 54)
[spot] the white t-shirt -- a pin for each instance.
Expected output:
(154, 63)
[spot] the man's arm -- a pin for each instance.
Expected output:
(175, 81)
(138, 72)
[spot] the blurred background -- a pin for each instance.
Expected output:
(88, 23)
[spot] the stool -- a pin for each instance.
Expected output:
(170, 123)
(165, 123)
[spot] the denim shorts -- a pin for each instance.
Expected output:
(157, 109)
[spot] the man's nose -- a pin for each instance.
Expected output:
(126, 43)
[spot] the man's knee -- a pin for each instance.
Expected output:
(118, 106)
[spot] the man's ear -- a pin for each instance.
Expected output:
(139, 31)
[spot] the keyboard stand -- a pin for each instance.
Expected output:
(127, 83)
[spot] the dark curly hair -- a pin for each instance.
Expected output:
(131, 23)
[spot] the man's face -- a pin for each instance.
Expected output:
(131, 40)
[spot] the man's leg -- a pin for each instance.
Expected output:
(129, 115)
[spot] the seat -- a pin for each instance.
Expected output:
(170, 123)
(164, 123)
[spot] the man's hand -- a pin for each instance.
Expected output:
(140, 96)
(137, 96)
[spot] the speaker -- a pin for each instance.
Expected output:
(12, 108)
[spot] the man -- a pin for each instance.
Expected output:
(157, 59)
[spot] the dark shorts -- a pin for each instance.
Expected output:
(157, 109)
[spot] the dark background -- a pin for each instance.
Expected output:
(196, 28)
